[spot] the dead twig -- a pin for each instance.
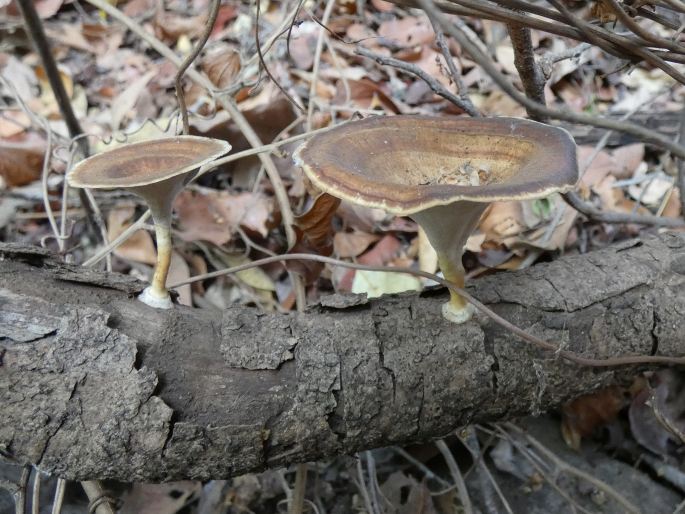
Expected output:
(435, 86)
(681, 164)
(454, 73)
(260, 54)
(456, 476)
(180, 95)
(529, 70)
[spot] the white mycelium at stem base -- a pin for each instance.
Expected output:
(448, 227)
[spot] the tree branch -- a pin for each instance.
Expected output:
(97, 385)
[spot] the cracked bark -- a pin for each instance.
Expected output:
(95, 384)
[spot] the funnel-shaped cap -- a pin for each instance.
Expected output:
(406, 164)
(146, 162)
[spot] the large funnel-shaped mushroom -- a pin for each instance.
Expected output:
(156, 170)
(441, 172)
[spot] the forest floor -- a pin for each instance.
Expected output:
(606, 452)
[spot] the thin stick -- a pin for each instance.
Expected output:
(297, 504)
(454, 73)
(261, 149)
(681, 164)
(20, 492)
(430, 81)
(536, 341)
(487, 482)
(533, 83)
(106, 250)
(362, 486)
(180, 95)
(456, 476)
(317, 60)
(100, 503)
(528, 69)
(59, 496)
(262, 61)
(35, 494)
(592, 212)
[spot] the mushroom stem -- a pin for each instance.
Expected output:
(448, 227)
(454, 272)
(158, 283)
(160, 198)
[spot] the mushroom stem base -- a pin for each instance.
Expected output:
(153, 298)
(457, 310)
(456, 314)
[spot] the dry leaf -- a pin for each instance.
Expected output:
(179, 271)
(167, 498)
(407, 31)
(351, 244)
(585, 414)
(382, 252)
(382, 5)
(222, 65)
(314, 230)
(128, 98)
(139, 247)
(209, 215)
(44, 8)
(365, 94)
(428, 257)
(21, 159)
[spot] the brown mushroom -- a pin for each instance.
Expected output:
(441, 172)
(156, 170)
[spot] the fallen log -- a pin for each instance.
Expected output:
(94, 384)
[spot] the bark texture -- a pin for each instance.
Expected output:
(95, 384)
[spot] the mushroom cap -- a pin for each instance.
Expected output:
(404, 164)
(146, 162)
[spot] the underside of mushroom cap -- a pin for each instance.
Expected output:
(146, 162)
(405, 164)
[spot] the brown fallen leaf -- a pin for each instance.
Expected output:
(167, 498)
(21, 159)
(351, 244)
(582, 416)
(410, 30)
(139, 247)
(170, 25)
(365, 94)
(381, 253)
(44, 8)
(209, 215)
(314, 230)
(178, 271)
(222, 65)
(13, 123)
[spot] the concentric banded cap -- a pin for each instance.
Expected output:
(405, 164)
(146, 162)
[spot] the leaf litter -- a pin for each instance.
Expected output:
(118, 86)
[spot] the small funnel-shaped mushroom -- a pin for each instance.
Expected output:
(441, 172)
(156, 170)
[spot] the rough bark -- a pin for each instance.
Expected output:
(94, 384)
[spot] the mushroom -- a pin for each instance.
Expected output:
(442, 173)
(156, 170)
